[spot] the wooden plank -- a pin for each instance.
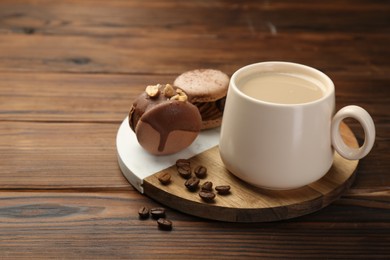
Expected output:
(67, 97)
(158, 55)
(144, 37)
(107, 98)
(124, 18)
(102, 225)
(59, 156)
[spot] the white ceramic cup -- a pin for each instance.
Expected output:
(286, 146)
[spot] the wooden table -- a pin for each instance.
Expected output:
(69, 70)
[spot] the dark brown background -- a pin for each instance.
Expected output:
(68, 73)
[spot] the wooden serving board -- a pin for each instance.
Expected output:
(245, 203)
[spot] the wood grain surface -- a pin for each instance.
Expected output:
(69, 70)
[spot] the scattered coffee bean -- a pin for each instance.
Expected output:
(164, 178)
(164, 224)
(184, 171)
(207, 186)
(200, 171)
(207, 196)
(183, 162)
(222, 189)
(143, 212)
(157, 213)
(192, 183)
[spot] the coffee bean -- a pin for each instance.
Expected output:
(157, 213)
(192, 183)
(207, 196)
(143, 212)
(223, 189)
(164, 178)
(164, 224)
(207, 186)
(183, 162)
(200, 171)
(184, 171)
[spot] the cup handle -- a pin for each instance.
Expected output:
(367, 123)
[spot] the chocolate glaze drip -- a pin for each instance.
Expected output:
(170, 116)
(164, 116)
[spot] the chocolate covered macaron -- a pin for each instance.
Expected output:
(163, 119)
(206, 89)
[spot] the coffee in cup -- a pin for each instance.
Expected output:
(281, 88)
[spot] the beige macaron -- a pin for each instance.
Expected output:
(206, 89)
